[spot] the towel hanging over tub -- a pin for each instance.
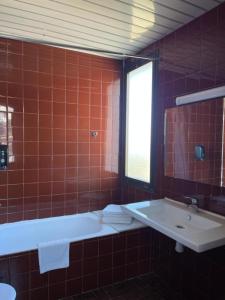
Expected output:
(53, 255)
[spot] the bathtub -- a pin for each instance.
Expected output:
(26, 235)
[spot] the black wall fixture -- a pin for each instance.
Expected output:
(3, 156)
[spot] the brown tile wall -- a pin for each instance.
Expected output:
(191, 59)
(188, 126)
(188, 275)
(93, 263)
(50, 101)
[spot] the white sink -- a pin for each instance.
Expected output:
(199, 231)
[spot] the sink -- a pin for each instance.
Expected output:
(200, 231)
(7, 292)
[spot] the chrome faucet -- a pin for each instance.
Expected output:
(194, 203)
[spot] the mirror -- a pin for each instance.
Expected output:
(194, 142)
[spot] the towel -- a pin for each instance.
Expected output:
(116, 220)
(53, 255)
(113, 210)
(114, 213)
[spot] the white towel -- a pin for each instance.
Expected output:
(113, 210)
(53, 255)
(116, 220)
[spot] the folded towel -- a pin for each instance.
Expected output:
(113, 210)
(116, 220)
(53, 255)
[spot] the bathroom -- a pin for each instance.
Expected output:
(63, 120)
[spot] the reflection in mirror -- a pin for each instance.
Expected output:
(194, 136)
(6, 130)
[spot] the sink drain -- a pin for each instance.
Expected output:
(179, 226)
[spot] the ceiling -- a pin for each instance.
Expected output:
(125, 26)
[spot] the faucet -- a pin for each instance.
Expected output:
(194, 203)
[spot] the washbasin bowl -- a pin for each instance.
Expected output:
(200, 231)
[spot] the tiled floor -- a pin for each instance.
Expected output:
(146, 287)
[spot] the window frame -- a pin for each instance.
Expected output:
(128, 66)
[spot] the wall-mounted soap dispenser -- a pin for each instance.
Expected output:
(3, 157)
(199, 152)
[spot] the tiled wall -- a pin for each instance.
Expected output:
(188, 126)
(188, 275)
(93, 263)
(50, 101)
(191, 59)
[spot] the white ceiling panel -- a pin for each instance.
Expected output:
(161, 11)
(124, 26)
(202, 3)
(70, 22)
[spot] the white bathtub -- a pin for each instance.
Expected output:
(26, 235)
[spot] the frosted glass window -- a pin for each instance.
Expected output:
(138, 123)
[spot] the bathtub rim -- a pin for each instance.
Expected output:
(42, 220)
(105, 231)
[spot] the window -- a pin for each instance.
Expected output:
(138, 127)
